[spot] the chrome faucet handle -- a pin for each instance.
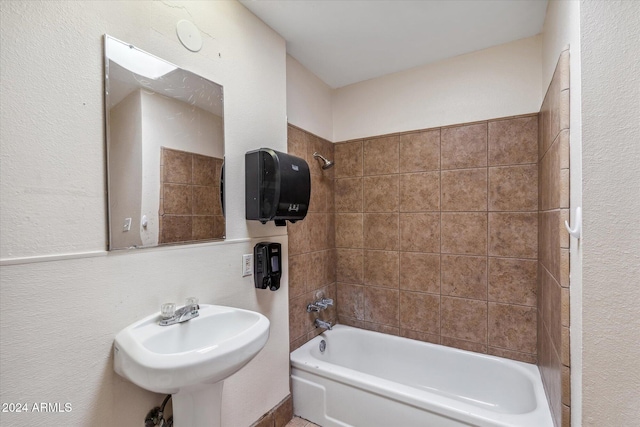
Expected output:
(324, 303)
(313, 308)
(193, 303)
(168, 310)
(327, 301)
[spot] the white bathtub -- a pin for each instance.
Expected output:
(368, 379)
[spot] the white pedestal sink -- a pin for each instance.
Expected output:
(190, 360)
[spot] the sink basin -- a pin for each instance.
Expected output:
(206, 349)
(184, 358)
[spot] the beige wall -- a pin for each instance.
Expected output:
(611, 183)
(496, 82)
(62, 297)
(308, 101)
(125, 162)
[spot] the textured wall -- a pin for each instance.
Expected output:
(62, 297)
(611, 247)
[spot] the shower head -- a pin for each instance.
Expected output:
(326, 163)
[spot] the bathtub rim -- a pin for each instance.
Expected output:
(302, 360)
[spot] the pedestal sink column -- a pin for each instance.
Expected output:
(198, 407)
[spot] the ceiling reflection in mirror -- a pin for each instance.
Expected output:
(165, 151)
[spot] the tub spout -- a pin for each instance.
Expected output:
(322, 324)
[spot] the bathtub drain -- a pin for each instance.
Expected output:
(323, 346)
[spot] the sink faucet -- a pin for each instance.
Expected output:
(322, 324)
(171, 316)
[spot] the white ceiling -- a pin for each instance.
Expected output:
(347, 41)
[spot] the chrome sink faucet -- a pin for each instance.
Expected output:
(171, 316)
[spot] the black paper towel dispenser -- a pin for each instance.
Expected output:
(277, 186)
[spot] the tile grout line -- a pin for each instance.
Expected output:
(488, 237)
(398, 236)
(440, 246)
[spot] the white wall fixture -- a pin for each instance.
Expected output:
(189, 353)
(189, 35)
(576, 231)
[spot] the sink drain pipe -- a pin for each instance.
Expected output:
(155, 417)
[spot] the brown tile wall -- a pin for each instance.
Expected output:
(190, 208)
(278, 416)
(436, 235)
(553, 241)
(451, 235)
(312, 256)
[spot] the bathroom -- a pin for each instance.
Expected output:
(63, 297)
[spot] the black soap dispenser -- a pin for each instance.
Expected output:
(268, 265)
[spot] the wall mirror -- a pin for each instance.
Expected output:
(165, 151)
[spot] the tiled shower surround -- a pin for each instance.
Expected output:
(553, 265)
(435, 235)
(312, 262)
